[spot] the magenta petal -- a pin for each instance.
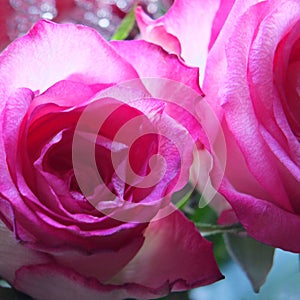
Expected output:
(265, 221)
(174, 253)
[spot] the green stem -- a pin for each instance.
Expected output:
(183, 201)
(208, 229)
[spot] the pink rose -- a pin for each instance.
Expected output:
(250, 53)
(82, 132)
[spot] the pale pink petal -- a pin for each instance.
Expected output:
(13, 255)
(237, 169)
(190, 22)
(50, 282)
(174, 253)
(102, 264)
(52, 52)
(202, 167)
(154, 31)
(68, 93)
(216, 63)
(155, 62)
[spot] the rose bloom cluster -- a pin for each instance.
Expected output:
(88, 125)
(91, 153)
(249, 55)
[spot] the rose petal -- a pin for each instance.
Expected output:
(240, 114)
(102, 264)
(156, 33)
(283, 111)
(49, 282)
(14, 255)
(68, 93)
(47, 55)
(162, 64)
(174, 253)
(219, 19)
(265, 221)
(216, 61)
(190, 22)
(180, 91)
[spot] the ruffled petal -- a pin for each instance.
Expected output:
(155, 62)
(190, 22)
(174, 253)
(53, 52)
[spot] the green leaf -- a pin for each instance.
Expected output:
(125, 27)
(220, 253)
(255, 258)
(199, 214)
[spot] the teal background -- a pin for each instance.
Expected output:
(283, 282)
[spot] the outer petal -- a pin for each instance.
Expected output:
(181, 91)
(265, 221)
(263, 205)
(13, 255)
(190, 22)
(52, 52)
(216, 61)
(196, 24)
(49, 282)
(240, 113)
(155, 62)
(102, 264)
(174, 253)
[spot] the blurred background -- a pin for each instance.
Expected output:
(17, 16)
